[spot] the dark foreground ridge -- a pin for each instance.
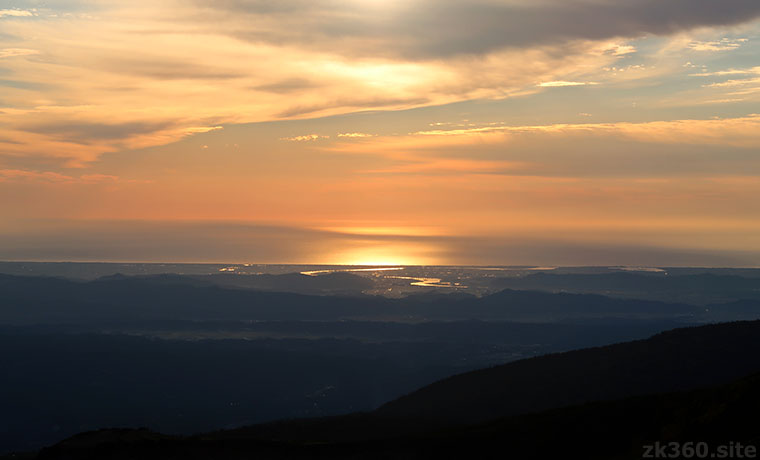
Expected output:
(718, 417)
(675, 360)
(693, 384)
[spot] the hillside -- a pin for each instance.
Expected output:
(608, 402)
(718, 417)
(671, 361)
(42, 300)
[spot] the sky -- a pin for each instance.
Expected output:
(478, 132)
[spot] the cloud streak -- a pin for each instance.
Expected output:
(132, 75)
(50, 177)
(15, 52)
(673, 148)
(442, 28)
(241, 242)
(622, 122)
(7, 13)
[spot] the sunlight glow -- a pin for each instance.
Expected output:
(386, 254)
(388, 231)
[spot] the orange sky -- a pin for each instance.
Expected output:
(375, 132)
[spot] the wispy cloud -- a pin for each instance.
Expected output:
(476, 27)
(724, 44)
(744, 131)
(452, 166)
(355, 135)
(621, 49)
(486, 138)
(735, 83)
(21, 175)
(110, 77)
(561, 83)
(722, 73)
(8, 13)
(305, 138)
(14, 52)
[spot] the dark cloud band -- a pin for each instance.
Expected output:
(440, 28)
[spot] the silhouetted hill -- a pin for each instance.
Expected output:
(632, 281)
(55, 384)
(671, 361)
(738, 310)
(39, 300)
(716, 417)
(162, 279)
(598, 403)
(329, 283)
(536, 305)
(51, 300)
(701, 288)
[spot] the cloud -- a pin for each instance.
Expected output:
(742, 132)
(287, 86)
(731, 88)
(305, 137)
(164, 68)
(355, 135)
(672, 148)
(98, 178)
(726, 88)
(23, 175)
(349, 104)
(456, 166)
(722, 73)
(241, 242)
(621, 50)
(148, 74)
(73, 135)
(559, 84)
(441, 28)
(50, 177)
(723, 101)
(724, 44)
(16, 13)
(734, 83)
(85, 132)
(201, 129)
(117, 76)
(556, 252)
(162, 241)
(14, 52)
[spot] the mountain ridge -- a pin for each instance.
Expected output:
(712, 410)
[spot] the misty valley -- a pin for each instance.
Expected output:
(166, 355)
